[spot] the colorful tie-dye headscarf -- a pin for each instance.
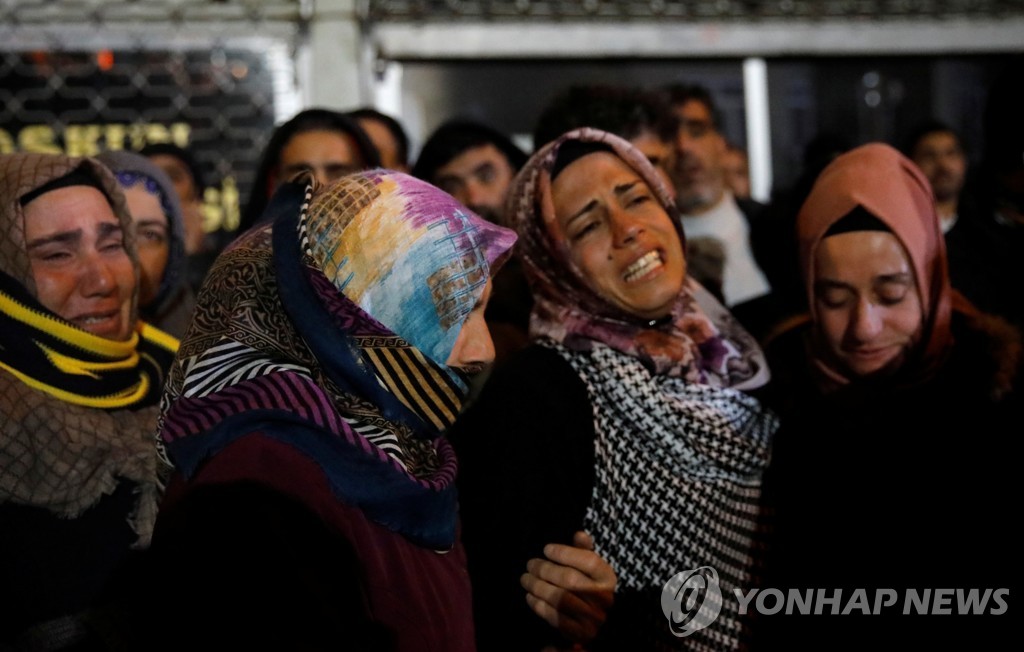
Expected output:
(329, 329)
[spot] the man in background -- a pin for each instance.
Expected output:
(714, 220)
(938, 151)
(388, 137)
(472, 162)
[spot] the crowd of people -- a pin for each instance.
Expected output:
(480, 398)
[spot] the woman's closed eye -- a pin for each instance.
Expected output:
(833, 297)
(638, 199)
(113, 246)
(892, 294)
(53, 255)
(583, 229)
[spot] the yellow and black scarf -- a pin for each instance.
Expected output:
(78, 412)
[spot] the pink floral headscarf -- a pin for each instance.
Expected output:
(700, 341)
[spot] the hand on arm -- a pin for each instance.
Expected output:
(572, 589)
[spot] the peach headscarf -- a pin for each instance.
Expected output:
(879, 179)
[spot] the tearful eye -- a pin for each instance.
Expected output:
(584, 230)
(55, 255)
(487, 174)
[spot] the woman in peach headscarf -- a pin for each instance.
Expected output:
(891, 470)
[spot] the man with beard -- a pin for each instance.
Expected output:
(476, 164)
(710, 212)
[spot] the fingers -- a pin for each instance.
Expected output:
(598, 591)
(563, 602)
(570, 562)
(574, 618)
(583, 540)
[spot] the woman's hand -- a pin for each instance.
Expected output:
(572, 589)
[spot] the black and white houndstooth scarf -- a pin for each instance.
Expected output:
(677, 485)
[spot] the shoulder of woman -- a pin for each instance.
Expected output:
(531, 395)
(995, 344)
(536, 370)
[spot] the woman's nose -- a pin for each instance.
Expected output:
(97, 278)
(474, 346)
(625, 227)
(867, 321)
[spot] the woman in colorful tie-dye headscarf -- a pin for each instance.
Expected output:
(313, 504)
(313, 499)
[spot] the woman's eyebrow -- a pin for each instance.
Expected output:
(64, 237)
(623, 188)
(591, 205)
(898, 277)
(109, 229)
(825, 284)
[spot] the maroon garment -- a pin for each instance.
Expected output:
(323, 572)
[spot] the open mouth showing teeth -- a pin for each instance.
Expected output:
(643, 266)
(95, 319)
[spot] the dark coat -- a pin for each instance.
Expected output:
(281, 564)
(910, 488)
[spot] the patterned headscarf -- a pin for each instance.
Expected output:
(134, 169)
(329, 329)
(890, 187)
(76, 410)
(701, 342)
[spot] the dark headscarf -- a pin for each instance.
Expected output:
(131, 169)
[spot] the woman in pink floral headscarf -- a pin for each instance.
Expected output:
(629, 417)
